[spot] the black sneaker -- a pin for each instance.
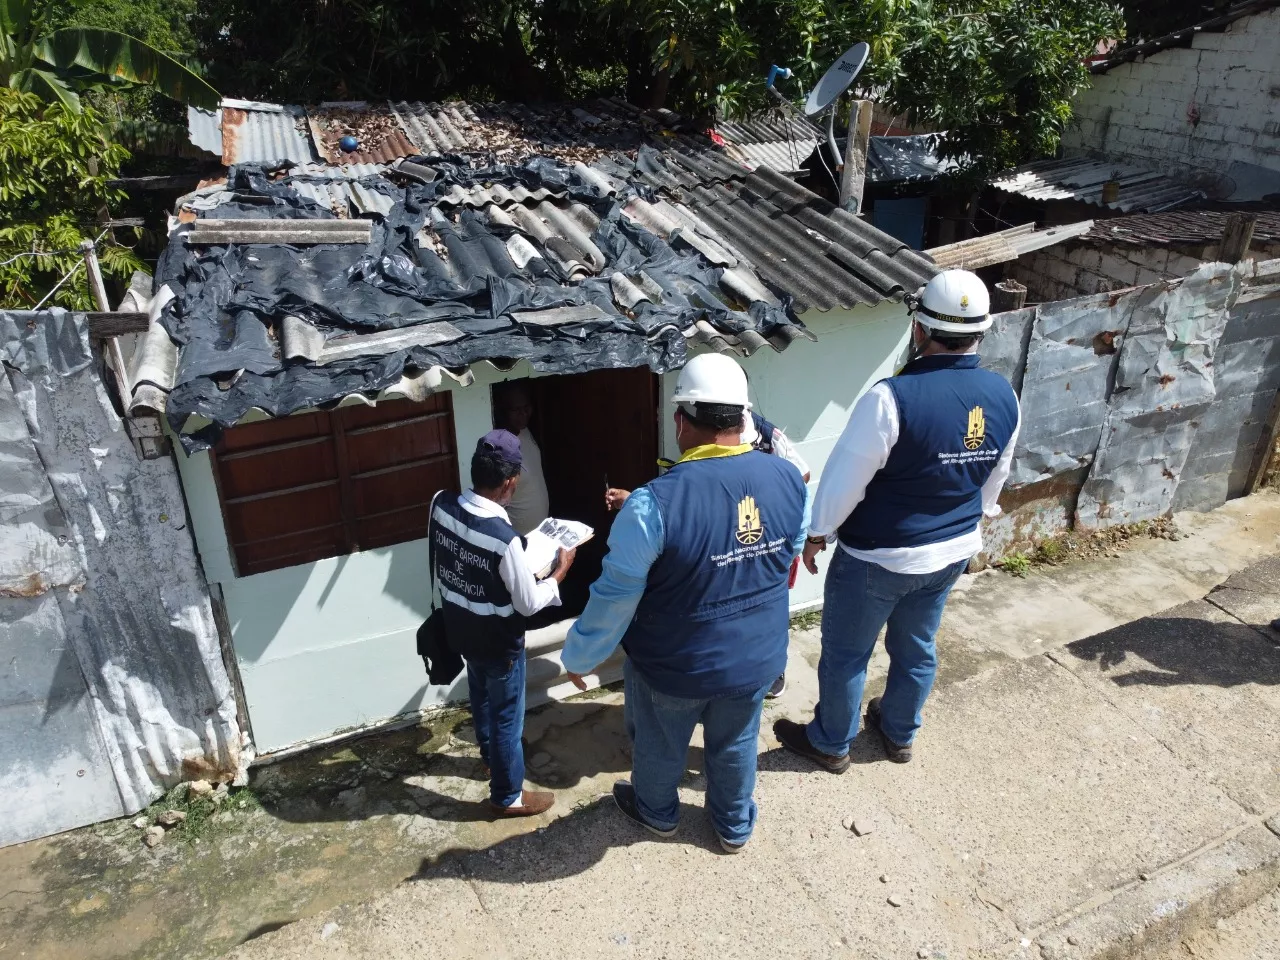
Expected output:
(795, 738)
(894, 751)
(624, 795)
(729, 847)
(778, 688)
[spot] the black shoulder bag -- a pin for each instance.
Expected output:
(443, 665)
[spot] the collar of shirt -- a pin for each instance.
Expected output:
(709, 451)
(483, 506)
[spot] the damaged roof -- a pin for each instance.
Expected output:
(1183, 36)
(244, 131)
(1083, 179)
(321, 283)
(1181, 228)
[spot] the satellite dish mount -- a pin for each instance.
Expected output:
(838, 78)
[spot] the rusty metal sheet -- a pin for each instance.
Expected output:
(1164, 385)
(1071, 361)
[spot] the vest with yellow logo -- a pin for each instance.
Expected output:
(954, 421)
(713, 620)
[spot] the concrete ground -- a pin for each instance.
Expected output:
(1092, 781)
(1252, 934)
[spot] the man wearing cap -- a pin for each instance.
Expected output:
(923, 458)
(695, 588)
(488, 590)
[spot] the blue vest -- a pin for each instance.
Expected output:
(954, 421)
(764, 442)
(479, 621)
(713, 620)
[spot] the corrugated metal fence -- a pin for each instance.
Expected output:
(112, 683)
(1137, 402)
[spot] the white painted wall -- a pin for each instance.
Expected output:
(1142, 111)
(328, 646)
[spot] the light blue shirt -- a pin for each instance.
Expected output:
(635, 543)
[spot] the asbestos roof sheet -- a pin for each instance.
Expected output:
(1083, 179)
(1181, 228)
(801, 244)
(263, 133)
(1004, 246)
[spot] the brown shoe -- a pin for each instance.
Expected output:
(535, 802)
(794, 737)
(897, 752)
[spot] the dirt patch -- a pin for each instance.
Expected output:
(1076, 547)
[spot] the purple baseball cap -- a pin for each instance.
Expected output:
(502, 444)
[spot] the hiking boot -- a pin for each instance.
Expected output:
(624, 795)
(778, 688)
(729, 847)
(894, 751)
(795, 738)
(533, 803)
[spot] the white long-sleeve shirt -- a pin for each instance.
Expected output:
(862, 450)
(528, 593)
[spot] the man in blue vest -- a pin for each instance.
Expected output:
(488, 590)
(695, 588)
(923, 458)
(765, 437)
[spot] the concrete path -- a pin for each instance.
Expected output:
(1072, 747)
(1101, 799)
(1252, 934)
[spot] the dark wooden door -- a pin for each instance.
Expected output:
(592, 426)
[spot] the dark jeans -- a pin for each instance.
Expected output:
(859, 599)
(661, 727)
(497, 709)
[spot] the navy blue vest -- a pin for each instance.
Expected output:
(713, 620)
(764, 442)
(479, 620)
(954, 421)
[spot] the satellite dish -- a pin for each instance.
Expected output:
(837, 79)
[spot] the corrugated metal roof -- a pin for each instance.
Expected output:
(264, 133)
(1185, 227)
(774, 139)
(1083, 179)
(1004, 246)
(805, 246)
(205, 129)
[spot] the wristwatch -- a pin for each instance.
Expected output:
(821, 540)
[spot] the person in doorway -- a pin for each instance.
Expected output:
(923, 458)
(530, 504)
(695, 588)
(488, 590)
(765, 437)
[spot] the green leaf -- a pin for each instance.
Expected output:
(15, 18)
(47, 86)
(117, 55)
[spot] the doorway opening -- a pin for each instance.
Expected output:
(594, 430)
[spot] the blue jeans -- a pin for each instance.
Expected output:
(859, 599)
(497, 709)
(661, 728)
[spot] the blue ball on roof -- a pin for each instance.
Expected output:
(349, 144)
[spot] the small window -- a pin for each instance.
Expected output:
(318, 485)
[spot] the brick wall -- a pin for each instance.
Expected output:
(1143, 111)
(1076, 270)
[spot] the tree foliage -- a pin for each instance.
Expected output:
(998, 75)
(57, 64)
(56, 165)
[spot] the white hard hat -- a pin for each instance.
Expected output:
(955, 301)
(712, 378)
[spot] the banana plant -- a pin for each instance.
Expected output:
(55, 65)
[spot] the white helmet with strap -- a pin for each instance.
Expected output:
(712, 378)
(954, 302)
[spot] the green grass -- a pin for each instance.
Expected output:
(806, 621)
(1017, 564)
(200, 811)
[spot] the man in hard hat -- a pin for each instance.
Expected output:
(488, 590)
(695, 588)
(765, 437)
(923, 458)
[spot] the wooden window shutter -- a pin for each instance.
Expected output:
(310, 486)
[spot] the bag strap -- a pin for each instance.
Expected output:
(431, 548)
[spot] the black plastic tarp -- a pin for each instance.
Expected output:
(231, 299)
